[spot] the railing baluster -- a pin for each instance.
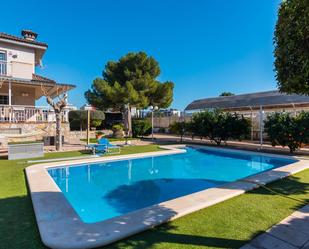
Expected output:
(18, 113)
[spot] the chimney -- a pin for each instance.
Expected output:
(29, 35)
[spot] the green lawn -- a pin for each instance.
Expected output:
(226, 225)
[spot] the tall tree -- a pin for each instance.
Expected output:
(292, 47)
(130, 81)
(226, 94)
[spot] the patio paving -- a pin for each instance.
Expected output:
(290, 233)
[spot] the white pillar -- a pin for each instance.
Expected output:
(152, 124)
(10, 93)
(10, 101)
(261, 127)
(251, 123)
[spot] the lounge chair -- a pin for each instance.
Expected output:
(95, 148)
(103, 146)
(110, 148)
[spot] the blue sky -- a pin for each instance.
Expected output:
(204, 46)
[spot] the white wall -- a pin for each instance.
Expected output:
(23, 66)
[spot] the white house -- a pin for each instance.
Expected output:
(20, 86)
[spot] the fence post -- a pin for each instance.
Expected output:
(261, 127)
(251, 123)
(88, 126)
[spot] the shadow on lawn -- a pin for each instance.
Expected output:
(18, 227)
(164, 234)
(287, 186)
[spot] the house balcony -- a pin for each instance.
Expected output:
(29, 114)
(16, 69)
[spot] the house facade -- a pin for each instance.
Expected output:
(20, 86)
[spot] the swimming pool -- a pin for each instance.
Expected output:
(101, 191)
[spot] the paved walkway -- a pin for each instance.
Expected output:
(290, 233)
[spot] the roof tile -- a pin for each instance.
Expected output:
(20, 39)
(36, 77)
(270, 98)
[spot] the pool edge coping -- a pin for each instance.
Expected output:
(60, 227)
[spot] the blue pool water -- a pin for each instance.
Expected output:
(104, 190)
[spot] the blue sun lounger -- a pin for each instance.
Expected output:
(103, 146)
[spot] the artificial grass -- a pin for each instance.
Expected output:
(229, 224)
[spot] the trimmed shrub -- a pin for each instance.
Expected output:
(178, 128)
(78, 119)
(215, 125)
(96, 123)
(287, 130)
(141, 127)
(219, 126)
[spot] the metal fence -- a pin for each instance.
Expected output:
(257, 118)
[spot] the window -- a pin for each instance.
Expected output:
(4, 100)
(2, 63)
(2, 56)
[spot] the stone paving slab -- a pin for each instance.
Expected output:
(248, 246)
(266, 241)
(290, 233)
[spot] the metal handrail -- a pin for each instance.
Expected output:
(30, 106)
(24, 113)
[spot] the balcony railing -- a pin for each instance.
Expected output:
(16, 69)
(29, 114)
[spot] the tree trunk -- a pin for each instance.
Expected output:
(128, 121)
(58, 107)
(58, 131)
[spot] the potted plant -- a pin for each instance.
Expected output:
(117, 131)
(95, 123)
